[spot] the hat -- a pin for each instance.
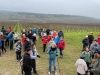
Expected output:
(98, 52)
(82, 56)
(28, 49)
(91, 32)
(34, 34)
(44, 34)
(86, 36)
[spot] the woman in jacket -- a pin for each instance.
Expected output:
(81, 66)
(53, 52)
(33, 56)
(88, 57)
(18, 48)
(44, 42)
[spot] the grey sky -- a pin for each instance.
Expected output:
(90, 8)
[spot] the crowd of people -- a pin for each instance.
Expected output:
(52, 42)
(89, 61)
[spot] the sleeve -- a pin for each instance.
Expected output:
(15, 46)
(33, 56)
(76, 63)
(48, 51)
(97, 69)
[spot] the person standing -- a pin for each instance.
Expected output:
(91, 38)
(10, 37)
(16, 37)
(27, 64)
(96, 66)
(94, 47)
(44, 42)
(81, 66)
(61, 46)
(33, 56)
(53, 52)
(18, 48)
(88, 57)
(85, 42)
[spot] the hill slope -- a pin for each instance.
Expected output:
(46, 18)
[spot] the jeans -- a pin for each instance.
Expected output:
(50, 64)
(18, 55)
(2, 47)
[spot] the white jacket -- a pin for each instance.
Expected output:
(81, 66)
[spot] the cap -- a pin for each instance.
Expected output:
(82, 56)
(86, 36)
(91, 32)
(34, 34)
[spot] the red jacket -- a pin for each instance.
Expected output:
(55, 34)
(9, 30)
(61, 44)
(98, 39)
(23, 40)
(49, 38)
(44, 40)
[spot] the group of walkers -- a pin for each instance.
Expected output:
(89, 61)
(52, 42)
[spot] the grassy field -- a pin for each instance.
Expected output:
(66, 66)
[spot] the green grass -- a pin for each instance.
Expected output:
(9, 66)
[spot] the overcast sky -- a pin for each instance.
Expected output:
(90, 8)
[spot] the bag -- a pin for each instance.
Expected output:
(21, 64)
(0, 43)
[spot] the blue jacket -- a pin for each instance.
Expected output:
(34, 31)
(10, 37)
(0, 43)
(56, 40)
(52, 53)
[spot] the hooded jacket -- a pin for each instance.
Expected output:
(81, 66)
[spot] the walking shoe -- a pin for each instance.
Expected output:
(55, 73)
(48, 72)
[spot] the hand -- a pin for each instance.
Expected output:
(56, 55)
(38, 56)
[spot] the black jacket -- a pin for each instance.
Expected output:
(91, 38)
(27, 44)
(27, 64)
(85, 41)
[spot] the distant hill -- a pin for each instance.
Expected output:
(46, 18)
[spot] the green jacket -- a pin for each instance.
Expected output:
(52, 53)
(96, 67)
(88, 56)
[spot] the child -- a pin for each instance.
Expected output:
(33, 56)
(61, 46)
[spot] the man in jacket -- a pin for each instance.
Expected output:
(91, 38)
(27, 64)
(96, 66)
(85, 42)
(94, 47)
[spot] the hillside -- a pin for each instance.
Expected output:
(46, 18)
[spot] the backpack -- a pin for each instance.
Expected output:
(0, 43)
(21, 64)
